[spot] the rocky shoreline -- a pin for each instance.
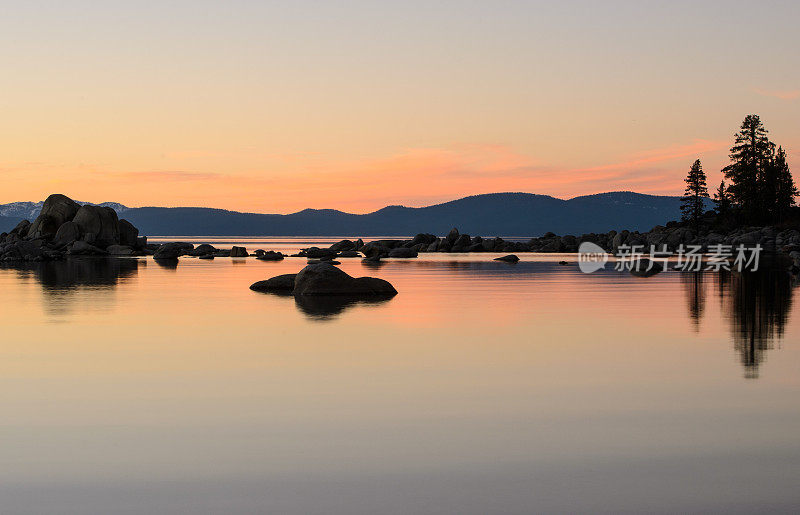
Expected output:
(65, 228)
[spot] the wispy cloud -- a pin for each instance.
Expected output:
(790, 94)
(168, 175)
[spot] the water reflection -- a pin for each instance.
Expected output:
(63, 282)
(328, 308)
(71, 274)
(757, 306)
(695, 289)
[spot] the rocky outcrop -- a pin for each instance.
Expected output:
(324, 279)
(65, 228)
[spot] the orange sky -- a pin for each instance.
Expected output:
(275, 108)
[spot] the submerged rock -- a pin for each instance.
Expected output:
(511, 258)
(645, 268)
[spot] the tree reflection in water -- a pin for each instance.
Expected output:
(757, 306)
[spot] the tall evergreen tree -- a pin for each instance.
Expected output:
(722, 199)
(750, 155)
(783, 188)
(693, 200)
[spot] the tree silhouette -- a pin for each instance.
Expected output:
(780, 185)
(750, 155)
(693, 200)
(722, 199)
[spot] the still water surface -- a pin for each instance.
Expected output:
(131, 387)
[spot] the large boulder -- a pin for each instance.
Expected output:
(98, 225)
(326, 279)
(238, 252)
(278, 284)
(67, 233)
(128, 234)
(56, 210)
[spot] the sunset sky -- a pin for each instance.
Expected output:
(278, 106)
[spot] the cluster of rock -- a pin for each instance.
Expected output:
(325, 279)
(66, 228)
(174, 250)
(673, 235)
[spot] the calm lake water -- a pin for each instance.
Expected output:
(483, 387)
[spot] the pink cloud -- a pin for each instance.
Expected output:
(781, 94)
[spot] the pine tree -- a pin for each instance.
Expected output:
(785, 190)
(722, 200)
(693, 200)
(750, 155)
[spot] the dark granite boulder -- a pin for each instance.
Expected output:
(326, 279)
(56, 210)
(67, 233)
(128, 234)
(98, 225)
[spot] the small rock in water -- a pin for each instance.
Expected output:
(645, 268)
(238, 252)
(270, 256)
(511, 258)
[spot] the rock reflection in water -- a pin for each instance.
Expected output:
(757, 306)
(329, 307)
(62, 281)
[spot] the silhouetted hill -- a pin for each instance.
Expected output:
(495, 214)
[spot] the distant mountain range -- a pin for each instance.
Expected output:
(493, 214)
